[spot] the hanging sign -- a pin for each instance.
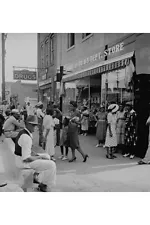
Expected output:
(24, 75)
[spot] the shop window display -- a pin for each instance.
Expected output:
(115, 88)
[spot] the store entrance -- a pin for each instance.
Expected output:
(142, 107)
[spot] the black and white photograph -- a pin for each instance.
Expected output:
(74, 112)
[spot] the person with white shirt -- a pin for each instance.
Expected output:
(40, 116)
(30, 110)
(45, 169)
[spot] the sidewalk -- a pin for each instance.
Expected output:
(134, 179)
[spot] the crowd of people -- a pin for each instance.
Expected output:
(116, 130)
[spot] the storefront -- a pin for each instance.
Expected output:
(103, 77)
(45, 88)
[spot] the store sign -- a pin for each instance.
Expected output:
(96, 57)
(45, 82)
(24, 75)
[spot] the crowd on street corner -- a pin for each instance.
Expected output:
(115, 131)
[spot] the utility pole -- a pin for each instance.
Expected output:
(3, 66)
(61, 75)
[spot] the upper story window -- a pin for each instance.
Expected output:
(42, 56)
(71, 40)
(84, 35)
(46, 53)
(52, 50)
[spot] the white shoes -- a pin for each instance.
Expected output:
(97, 146)
(126, 155)
(64, 158)
(132, 156)
(60, 157)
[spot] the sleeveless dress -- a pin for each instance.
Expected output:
(111, 141)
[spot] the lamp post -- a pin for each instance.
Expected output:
(4, 36)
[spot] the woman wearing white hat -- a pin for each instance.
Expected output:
(111, 136)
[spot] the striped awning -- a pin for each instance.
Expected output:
(103, 67)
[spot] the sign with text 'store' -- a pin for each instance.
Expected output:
(24, 75)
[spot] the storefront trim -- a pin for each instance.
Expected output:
(102, 67)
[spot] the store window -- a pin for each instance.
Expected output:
(71, 40)
(84, 35)
(52, 50)
(114, 88)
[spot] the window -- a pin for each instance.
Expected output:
(84, 35)
(46, 53)
(71, 40)
(42, 56)
(52, 50)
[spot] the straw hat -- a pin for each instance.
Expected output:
(113, 107)
(15, 111)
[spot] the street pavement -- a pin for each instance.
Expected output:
(98, 173)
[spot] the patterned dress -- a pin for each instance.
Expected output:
(130, 129)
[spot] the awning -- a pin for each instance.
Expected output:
(103, 67)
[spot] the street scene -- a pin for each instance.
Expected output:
(75, 112)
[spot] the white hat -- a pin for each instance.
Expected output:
(39, 103)
(15, 111)
(113, 107)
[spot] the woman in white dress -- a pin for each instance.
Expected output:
(48, 133)
(111, 135)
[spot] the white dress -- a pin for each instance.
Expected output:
(111, 141)
(48, 123)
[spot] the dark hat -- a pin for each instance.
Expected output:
(32, 120)
(73, 103)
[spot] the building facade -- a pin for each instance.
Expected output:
(47, 68)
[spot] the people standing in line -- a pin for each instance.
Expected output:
(101, 127)
(73, 139)
(130, 132)
(111, 135)
(63, 140)
(40, 116)
(146, 159)
(85, 121)
(48, 133)
(121, 128)
(12, 126)
(45, 169)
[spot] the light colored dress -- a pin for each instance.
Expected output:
(48, 123)
(111, 141)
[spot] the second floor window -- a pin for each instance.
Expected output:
(46, 53)
(84, 35)
(71, 40)
(52, 50)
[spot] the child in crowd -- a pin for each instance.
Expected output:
(63, 139)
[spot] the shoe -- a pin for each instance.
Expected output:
(64, 158)
(85, 134)
(126, 155)
(72, 160)
(97, 146)
(53, 159)
(114, 156)
(85, 158)
(132, 156)
(141, 163)
(42, 187)
(60, 157)
(109, 157)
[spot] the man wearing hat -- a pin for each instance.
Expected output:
(45, 169)
(40, 116)
(12, 124)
